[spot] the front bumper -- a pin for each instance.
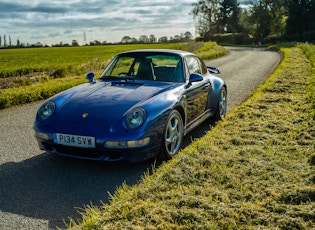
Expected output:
(47, 143)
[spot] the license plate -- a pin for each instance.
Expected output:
(75, 140)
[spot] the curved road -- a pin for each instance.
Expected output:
(39, 190)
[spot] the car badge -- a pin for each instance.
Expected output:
(85, 115)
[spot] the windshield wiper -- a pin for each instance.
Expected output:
(129, 78)
(119, 78)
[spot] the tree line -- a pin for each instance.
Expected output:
(8, 42)
(183, 37)
(262, 20)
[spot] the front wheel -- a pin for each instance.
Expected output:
(220, 112)
(173, 136)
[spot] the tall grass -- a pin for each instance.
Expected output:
(254, 170)
(309, 51)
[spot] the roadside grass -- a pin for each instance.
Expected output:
(29, 75)
(31, 93)
(254, 170)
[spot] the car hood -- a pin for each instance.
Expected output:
(106, 102)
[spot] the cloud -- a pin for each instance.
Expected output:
(55, 21)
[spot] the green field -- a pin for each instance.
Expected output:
(19, 62)
(28, 75)
(254, 170)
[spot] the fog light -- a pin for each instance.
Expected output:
(43, 136)
(127, 144)
(115, 144)
(138, 143)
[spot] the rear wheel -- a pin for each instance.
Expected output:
(220, 112)
(173, 136)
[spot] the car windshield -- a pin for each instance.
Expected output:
(145, 66)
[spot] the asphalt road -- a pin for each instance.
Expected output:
(39, 190)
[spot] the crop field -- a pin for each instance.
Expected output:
(32, 74)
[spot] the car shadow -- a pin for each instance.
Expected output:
(54, 188)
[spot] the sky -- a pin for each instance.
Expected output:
(61, 21)
(54, 21)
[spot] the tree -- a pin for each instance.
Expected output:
(229, 16)
(134, 40)
(163, 39)
(188, 36)
(301, 16)
(152, 38)
(75, 43)
(125, 39)
(264, 18)
(0, 41)
(205, 12)
(278, 15)
(4, 41)
(216, 16)
(144, 39)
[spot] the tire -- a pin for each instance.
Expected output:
(220, 112)
(173, 136)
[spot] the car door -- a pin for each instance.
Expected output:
(197, 92)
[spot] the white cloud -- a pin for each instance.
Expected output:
(51, 22)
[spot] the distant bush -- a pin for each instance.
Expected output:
(232, 38)
(210, 50)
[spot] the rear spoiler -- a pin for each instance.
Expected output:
(213, 70)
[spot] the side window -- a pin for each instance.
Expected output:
(193, 65)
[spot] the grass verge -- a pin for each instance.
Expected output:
(254, 170)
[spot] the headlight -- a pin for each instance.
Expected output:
(46, 110)
(135, 118)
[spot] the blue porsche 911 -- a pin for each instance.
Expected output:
(140, 107)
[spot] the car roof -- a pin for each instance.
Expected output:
(162, 51)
